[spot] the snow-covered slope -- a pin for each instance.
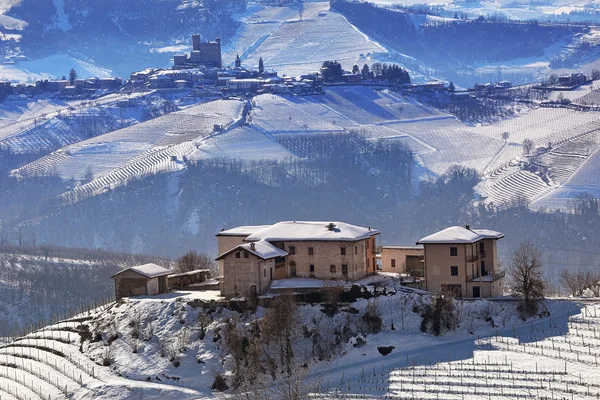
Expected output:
(161, 144)
(167, 346)
(297, 46)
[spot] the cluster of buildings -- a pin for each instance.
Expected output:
(490, 86)
(457, 260)
(62, 86)
(253, 260)
(564, 82)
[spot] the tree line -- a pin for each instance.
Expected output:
(333, 71)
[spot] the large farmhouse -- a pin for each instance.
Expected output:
(251, 257)
(463, 262)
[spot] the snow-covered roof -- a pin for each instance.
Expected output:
(189, 273)
(147, 270)
(261, 249)
(312, 231)
(242, 230)
(459, 234)
(405, 247)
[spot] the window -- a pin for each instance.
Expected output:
(237, 255)
(393, 263)
(454, 271)
(332, 269)
(265, 273)
(292, 250)
(246, 254)
(483, 272)
(343, 251)
(453, 251)
(355, 249)
(481, 247)
(311, 251)
(312, 268)
(344, 270)
(292, 269)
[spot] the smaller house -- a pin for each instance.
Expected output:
(247, 85)
(504, 85)
(147, 279)
(161, 82)
(352, 78)
(403, 259)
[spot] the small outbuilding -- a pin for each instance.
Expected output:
(147, 279)
(185, 279)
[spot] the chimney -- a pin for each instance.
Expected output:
(252, 246)
(468, 226)
(331, 226)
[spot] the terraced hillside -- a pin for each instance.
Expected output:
(161, 144)
(547, 359)
(42, 126)
(296, 45)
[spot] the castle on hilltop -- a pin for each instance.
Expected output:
(207, 54)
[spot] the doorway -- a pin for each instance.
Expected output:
(476, 292)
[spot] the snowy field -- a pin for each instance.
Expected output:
(146, 148)
(490, 353)
(52, 67)
(294, 47)
(522, 10)
(45, 124)
(586, 179)
(554, 357)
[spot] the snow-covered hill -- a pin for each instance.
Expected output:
(169, 346)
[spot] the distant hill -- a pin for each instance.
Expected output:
(120, 35)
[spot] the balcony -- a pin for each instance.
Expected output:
(489, 277)
(476, 257)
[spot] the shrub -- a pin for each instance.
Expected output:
(385, 350)
(438, 316)
(219, 384)
(372, 318)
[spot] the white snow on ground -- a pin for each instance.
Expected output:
(55, 66)
(45, 124)
(160, 144)
(295, 47)
(584, 180)
(522, 10)
(243, 143)
(554, 357)
(490, 351)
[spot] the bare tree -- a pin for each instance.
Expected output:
(332, 290)
(527, 146)
(576, 282)
(403, 302)
(525, 273)
(193, 261)
(280, 325)
(505, 136)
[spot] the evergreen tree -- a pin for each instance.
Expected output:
(365, 72)
(451, 87)
(355, 69)
(238, 62)
(72, 76)
(261, 65)
(332, 71)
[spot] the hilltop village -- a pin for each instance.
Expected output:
(202, 73)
